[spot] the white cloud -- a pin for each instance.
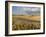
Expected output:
(30, 9)
(35, 9)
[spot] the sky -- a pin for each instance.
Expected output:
(20, 10)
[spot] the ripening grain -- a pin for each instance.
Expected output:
(25, 22)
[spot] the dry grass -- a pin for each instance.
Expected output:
(25, 22)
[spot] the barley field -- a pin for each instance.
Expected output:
(25, 22)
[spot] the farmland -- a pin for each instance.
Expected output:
(25, 22)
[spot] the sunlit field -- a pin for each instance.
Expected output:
(25, 22)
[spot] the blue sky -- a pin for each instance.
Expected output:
(20, 10)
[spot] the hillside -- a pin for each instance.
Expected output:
(33, 18)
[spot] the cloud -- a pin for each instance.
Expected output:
(25, 10)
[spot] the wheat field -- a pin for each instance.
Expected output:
(25, 22)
